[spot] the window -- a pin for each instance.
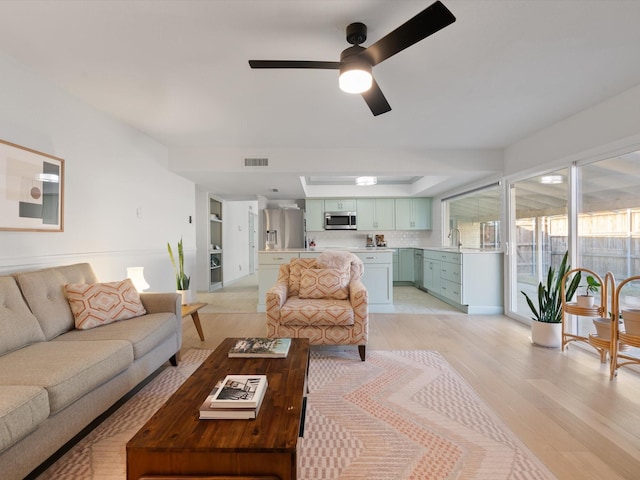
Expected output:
(609, 216)
(474, 218)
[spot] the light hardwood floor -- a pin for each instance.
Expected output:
(561, 404)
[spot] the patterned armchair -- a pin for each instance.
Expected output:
(321, 299)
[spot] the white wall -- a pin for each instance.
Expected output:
(112, 172)
(235, 239)
(605, 129)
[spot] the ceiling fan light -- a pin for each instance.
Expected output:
(355, 77)
(366, 181)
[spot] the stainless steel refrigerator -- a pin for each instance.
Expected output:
(288, 225)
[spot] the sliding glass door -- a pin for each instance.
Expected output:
(539, 233)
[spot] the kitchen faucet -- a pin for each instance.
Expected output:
(459, 235)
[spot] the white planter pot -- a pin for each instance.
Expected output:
(631, 319)
(585, 301)
(603, 328)
(546, 334)
(186, 296)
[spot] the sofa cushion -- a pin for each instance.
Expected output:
(325, 283)
(67, 370)
(22, 409)
(296, 267)
(320, 312)
(144, 333)
(18, 326)
(44, 292)
(97, 304)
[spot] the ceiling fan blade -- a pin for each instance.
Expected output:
(429, 21)
(376, 100)
(293, 64)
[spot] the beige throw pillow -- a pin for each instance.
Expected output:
(324, 283)
(98, 304)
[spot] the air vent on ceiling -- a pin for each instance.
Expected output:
(256, 162)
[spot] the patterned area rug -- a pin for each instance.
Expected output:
(404, 415)
(399, 415)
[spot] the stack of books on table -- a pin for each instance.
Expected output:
(235, 397)
(260, 348)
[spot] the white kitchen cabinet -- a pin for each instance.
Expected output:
(376, 214)
(268, 268)
(340, 205)
(378, 278)
(413, 213)
(314, 214)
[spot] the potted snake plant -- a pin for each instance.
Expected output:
(182, 280)
(546, 325)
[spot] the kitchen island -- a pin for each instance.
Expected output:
(377, 277)
(469, 279)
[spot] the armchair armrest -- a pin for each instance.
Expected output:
(358, 293)
(359, 298)
(275, 298)
(277, 295)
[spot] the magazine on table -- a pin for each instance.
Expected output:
(255, 347)
(240, 391)
(210, 412)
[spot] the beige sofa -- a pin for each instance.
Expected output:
(54, 379)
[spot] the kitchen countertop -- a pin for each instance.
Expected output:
(329, 249)
(384, 249)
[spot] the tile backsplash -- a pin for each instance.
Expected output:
(394, 238)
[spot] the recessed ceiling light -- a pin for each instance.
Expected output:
(365, 181)
(551, 179)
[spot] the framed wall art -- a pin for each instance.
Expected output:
(31, 190)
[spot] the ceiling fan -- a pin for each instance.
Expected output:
(356, 62)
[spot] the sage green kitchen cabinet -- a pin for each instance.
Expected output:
(431, 272)
(406, 265)
(376, 214)
(340, 205)
(413, 213)
(314, 213)
(469, 280)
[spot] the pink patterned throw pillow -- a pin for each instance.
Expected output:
(98, 304)
(324, 283)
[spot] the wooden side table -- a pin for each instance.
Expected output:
(192, 309)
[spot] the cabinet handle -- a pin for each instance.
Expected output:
(278, 258)
(371, 258)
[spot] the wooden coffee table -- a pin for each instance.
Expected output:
(175, 443)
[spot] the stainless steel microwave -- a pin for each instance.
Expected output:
(340, 221)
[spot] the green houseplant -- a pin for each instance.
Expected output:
(182, 280)
(546, 329)
(591, 287)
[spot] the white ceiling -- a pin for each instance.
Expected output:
(177, 70)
